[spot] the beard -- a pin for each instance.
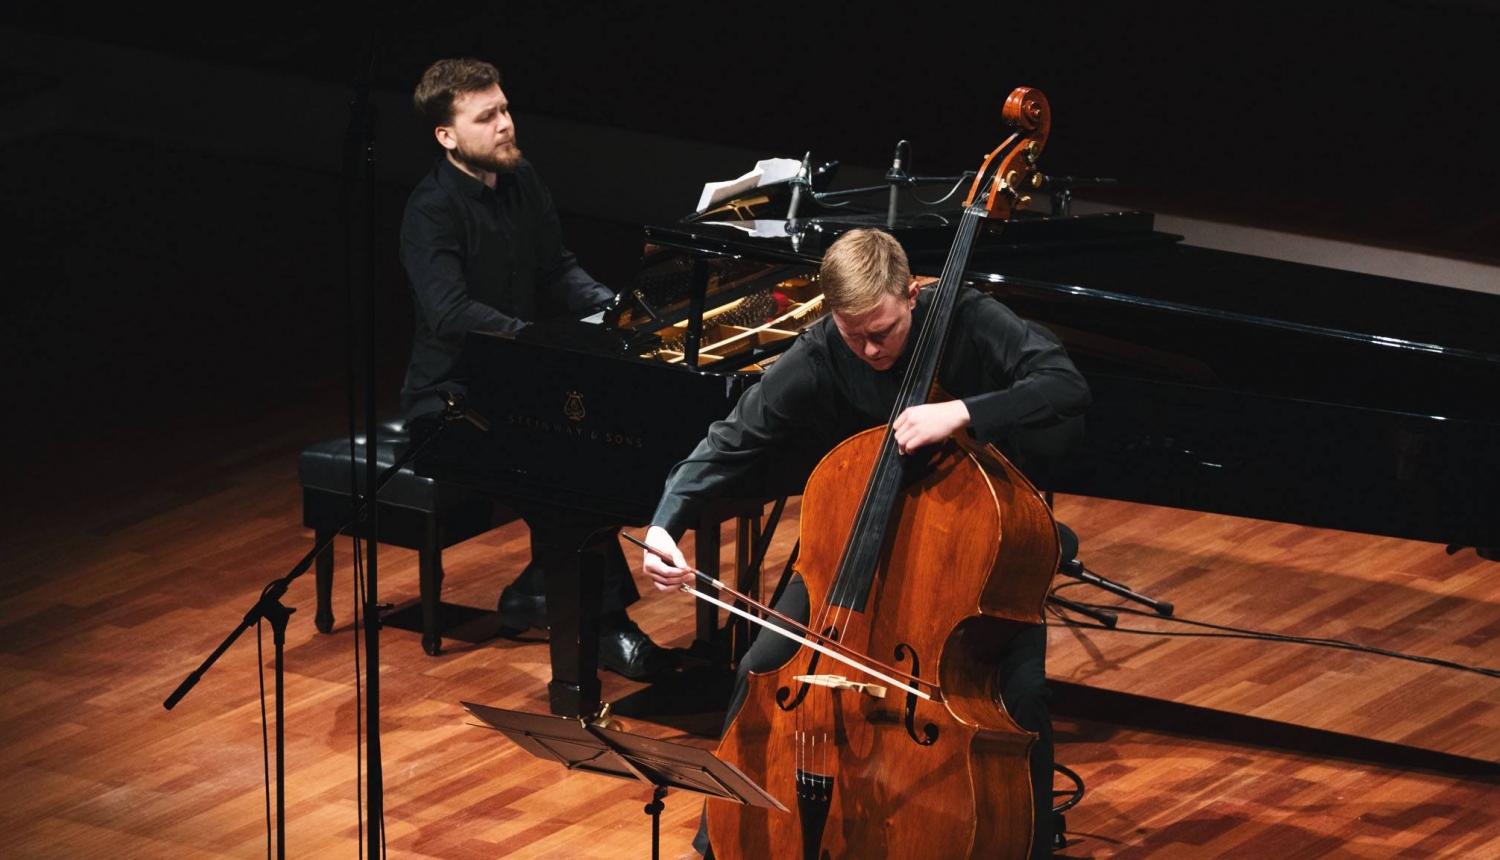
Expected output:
(495, 160)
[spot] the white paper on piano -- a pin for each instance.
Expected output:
(764, 229)
(766, 171)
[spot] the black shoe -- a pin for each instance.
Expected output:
(626, 650)
(521, 612)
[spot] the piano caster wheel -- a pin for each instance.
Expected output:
(432, 645)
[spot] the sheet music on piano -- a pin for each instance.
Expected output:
(765, 172)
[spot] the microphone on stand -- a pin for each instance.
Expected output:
(458, 409)
(801, 179)
(896, 178)
(1061, 190)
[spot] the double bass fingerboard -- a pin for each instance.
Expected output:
(856, 574)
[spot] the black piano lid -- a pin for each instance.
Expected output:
(1118, 257)
(1379, 342)
(1222, 382)
(926, 236)
(1316, 299)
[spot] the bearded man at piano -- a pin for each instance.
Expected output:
(482, 246)
(1015, 386)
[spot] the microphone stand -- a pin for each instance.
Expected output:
(800, 181)
(1060, 188)
(896, 177)
(269, 605)
(358, 204)
(1108, 618)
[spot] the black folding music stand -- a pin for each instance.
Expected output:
(577, 745)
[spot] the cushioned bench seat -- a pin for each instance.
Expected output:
(415, 513)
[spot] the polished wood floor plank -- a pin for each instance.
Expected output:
(109, 606)
(1294, 581)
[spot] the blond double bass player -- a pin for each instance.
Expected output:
(1014, 386)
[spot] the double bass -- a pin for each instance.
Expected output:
(926, 565)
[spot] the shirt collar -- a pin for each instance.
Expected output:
(465, 184)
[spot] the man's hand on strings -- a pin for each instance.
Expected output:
(666, 577)
(929, 423)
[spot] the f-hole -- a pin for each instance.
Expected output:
(929, 731)
(812, 669)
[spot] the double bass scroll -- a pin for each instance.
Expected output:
(1027, 111)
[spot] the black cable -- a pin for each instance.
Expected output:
(360, 595)
(351, 382)
(818, 196)
(967, 177)
(359, 148)
(359, 725)
(823, 198)
(1242, 633)
(265, 738)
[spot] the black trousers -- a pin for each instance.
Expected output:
(1023, 689)
(619, 586)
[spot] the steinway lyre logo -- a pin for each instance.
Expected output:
(573, 408)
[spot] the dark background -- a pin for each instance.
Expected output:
(162, 292)
(1364, 119)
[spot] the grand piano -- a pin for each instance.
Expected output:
(1222, 382)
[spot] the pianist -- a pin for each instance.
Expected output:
(1017, 389)
(482, 246)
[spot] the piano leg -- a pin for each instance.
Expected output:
(571, 555)
(746, 513)
(706, 559)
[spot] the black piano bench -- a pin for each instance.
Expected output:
(416, 512)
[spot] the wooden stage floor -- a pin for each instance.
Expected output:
(1191, 748)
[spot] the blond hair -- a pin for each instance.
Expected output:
(444, 81)
(861, 268)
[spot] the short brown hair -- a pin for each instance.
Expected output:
(444, 80)
(860, 268)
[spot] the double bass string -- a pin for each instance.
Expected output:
(857, 565)
(861, 554)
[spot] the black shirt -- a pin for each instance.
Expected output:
(1009, 374)
(480, 259)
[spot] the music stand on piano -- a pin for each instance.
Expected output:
(579, 745)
